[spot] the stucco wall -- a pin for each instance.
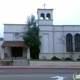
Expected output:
(1, 51)
(49, 31)
(58, 46)
(45, 11)
(25, 52)
(55, 32)
(46, 22)
(59, 31)
(59, 55)
(11, 29)
(7, 50)
(11, 37)
(14, 27)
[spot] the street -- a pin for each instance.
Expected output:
(37, 74)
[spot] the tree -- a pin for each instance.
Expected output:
(62, 40)
(31, 37)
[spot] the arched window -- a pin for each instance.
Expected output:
(77, 42)
(69, 43)
(42, 16)
(47, 16)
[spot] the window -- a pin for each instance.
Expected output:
(69, 43)
(77, 42)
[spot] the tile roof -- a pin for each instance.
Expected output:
(13, 44)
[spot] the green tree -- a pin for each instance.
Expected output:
(31, 37)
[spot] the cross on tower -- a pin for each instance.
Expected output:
(44, 5)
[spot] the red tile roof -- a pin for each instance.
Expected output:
(13, 44)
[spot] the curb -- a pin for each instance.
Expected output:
(43, 68)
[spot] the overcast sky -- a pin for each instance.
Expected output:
(66, 12)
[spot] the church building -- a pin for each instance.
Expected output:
(56, 40)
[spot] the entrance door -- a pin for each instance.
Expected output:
(16, 51)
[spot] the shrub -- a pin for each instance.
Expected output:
(68, 59)
(6, 63)
(55, 58)
(78, 59)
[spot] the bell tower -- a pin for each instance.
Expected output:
(45, 16)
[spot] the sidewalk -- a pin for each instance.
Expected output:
(45, 65)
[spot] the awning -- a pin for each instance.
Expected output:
(13, 44)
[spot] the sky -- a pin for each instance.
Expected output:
(66, 12)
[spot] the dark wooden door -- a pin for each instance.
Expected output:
(16, 51)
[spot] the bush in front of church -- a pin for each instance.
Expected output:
(55, 58)
(68, 59)
(78, 59)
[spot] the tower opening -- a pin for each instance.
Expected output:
(48, 16)
(42, 16)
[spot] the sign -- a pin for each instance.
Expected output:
(76, 76)
(58, 77)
